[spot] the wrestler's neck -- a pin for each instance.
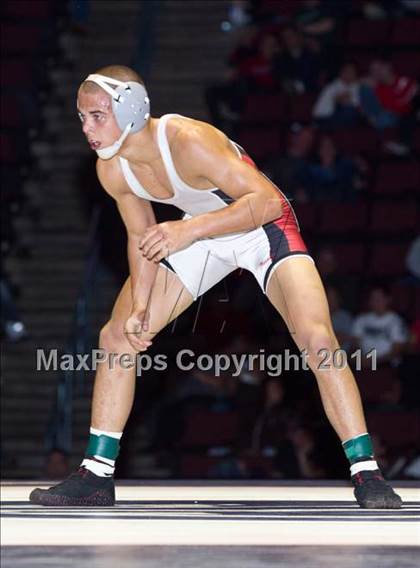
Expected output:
(142, 147)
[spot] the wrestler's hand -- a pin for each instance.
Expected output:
(163, 239)
(136, 328)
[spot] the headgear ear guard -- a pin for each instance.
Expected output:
(131, 107)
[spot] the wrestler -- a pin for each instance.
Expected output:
(233, 217)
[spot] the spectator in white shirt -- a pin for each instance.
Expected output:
(338, 104)
(380, 329)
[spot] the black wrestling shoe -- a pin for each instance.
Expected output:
(80, 489)
(373, 492)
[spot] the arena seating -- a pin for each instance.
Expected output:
(204, 428)
(373, 386)
(397, 429)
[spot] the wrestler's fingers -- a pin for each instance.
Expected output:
(154, 250)
(163, 253)
(150, 233)
(151, 241)
(137, 343)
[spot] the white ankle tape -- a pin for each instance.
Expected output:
(100, 469)
(116, 435)
(369, 465)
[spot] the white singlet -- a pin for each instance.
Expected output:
(207, 261)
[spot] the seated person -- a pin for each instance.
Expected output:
(332, 176)
(296, 68)
(338, 104)
(250, 71)
(288, 170)
(380, 329)
(390, 100)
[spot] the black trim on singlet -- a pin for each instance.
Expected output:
(272, 265)
(279, 245)
(223, 196)
(168, 265)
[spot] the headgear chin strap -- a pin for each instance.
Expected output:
(131, 107)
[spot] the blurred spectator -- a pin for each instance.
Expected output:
(390, 397)
(338, 104)
(296, 68)
(187, 391)
(395, 92)
(247, 403)
(331, 176)
(287, 171)
(269, 435)
(306, 451)
(410, 6)
(246, 47)
(378, 9)
(238, 15)
(256, 70)
(372, 10)
(270, 426)
(318, 21)
(327, 264)
(412, 260)
(414, 345)
(380, 329)
(342, 319)
(390, 100)
(315, 18)
(252, 71)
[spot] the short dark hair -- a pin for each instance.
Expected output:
(120, 72)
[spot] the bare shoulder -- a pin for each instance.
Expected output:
(189, 138)
(111, 177)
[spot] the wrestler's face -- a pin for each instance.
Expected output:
(98, 121)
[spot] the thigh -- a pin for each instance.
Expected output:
(295, 289)
(169, 298)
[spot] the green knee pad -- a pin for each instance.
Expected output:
(359, 447)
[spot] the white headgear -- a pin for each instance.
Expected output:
(131, 107)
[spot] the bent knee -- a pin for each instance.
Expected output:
(112, 338)
(317, 339)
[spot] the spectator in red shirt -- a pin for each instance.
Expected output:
(257, 69)
(390, 100)
(251, 71)
(395, 92)
(415, 336)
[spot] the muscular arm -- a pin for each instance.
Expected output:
(137, 215)
(208, 156)
(203, 156)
